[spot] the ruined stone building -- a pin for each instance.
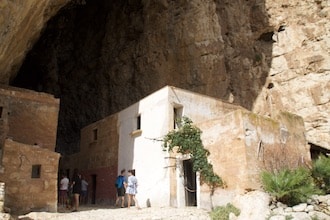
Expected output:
(242, 144)
(29, 164)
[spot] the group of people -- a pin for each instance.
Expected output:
(126, 186)
(74, 192)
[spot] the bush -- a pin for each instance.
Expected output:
(187, 140)
(321, 173)
(290, 187)
(222, 212)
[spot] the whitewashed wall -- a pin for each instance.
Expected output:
(141, 152)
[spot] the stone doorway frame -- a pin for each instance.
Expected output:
(180, 190)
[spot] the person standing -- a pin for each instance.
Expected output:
(64, 186)
(131, 189)
(76, 188)
(120, 186)
(84, 193)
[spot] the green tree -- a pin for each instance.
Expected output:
(187, 139)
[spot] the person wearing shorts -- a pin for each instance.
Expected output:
(121, 186)
(131, 189)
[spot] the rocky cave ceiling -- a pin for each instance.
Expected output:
(100, 56)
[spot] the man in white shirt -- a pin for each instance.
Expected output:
(64, 186)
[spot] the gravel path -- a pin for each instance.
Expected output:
(106, 213)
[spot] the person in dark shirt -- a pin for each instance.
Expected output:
(76, 188)
(121, 186)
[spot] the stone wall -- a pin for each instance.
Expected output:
(98, 159)
(28, 125)
(29, 117)
(273, 144)
(24, 193)
(242, 144)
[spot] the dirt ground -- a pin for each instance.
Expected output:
(112, 213)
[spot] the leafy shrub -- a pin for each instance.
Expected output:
(321, 173)
(222, 212)
(290, 187)
(187, 139)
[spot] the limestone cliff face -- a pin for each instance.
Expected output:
(299, 75)
(102, 56)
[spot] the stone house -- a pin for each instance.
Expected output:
(29, 165)
(241, 145)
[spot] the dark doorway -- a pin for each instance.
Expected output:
(93, 189)
(316, 151)
(189, 183)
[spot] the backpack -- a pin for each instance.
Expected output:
(119, 182)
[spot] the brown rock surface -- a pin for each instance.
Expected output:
(21, 23)
(102, 56)
(300, 67)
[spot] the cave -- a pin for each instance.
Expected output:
(67, 61)
(101, 56)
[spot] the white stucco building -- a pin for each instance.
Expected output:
(241, 145)
(152, 118)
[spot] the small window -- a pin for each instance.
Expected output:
(177, 116)
(95, 134)
(136, 127)
(138, 122)
(1, 109)
(36, 171)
